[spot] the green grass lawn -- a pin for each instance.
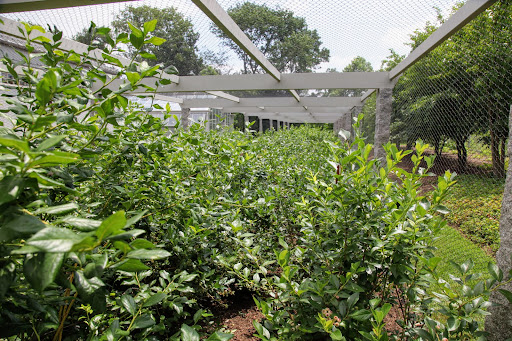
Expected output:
(475, 204)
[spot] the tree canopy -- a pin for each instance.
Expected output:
(179, 49)
(280, 35)
(458, 89)
(358, 64)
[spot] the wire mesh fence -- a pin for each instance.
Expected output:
(457, 98)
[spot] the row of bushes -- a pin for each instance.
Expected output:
(112, 229)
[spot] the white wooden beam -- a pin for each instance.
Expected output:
(465, 14)
(273, 102)
(367, 94)
(224, 95)
(329, 80)
(158, 97)
(295, 95)
(222, 19)
(293, 109)
(11, 6)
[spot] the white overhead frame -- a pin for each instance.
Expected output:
(273, 102)
(224, 22)
(293, 109)
(329, 80)
(217, 14)
(11, 6)
(12, 28)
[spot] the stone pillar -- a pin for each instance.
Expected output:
(265, 124)
(382, 121)
(185, 118)
(275, 124)
(499, 323)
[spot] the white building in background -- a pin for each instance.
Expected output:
(211, 118)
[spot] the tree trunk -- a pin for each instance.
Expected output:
(437, 147)
(462, 155)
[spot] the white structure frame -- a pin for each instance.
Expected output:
(295, 108)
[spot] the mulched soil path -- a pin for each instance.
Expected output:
(237, 317)
(241, 311)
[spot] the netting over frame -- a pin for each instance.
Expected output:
(347, 28)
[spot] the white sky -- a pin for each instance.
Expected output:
(347, 28)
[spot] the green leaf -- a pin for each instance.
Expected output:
(81, 224)
(25, 223)
(150, 26)
(136, 41)
(361, 315)
(86, 287)
(43, 91)
(148, 56)
(142, 244)
(129, 304)
(131, 265)
(171, 70)
(52, 239)
(135, 30)
(155, 41)
(188, 333)
(336, 335)
(352, 300)
(453, 324)
(111, 225)
(112, 60)
(58, 209)
(155, 299)
(10, 188)
(132, 220)
(41, 269)
(13, 141)
(52, 141)
(220, 336)
(133, 77)
(143, 321)
(55, 158)
(148, 254)
(507, 294)
(495, 271)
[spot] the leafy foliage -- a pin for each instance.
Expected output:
(282, 37)
(175, 39)
(113, 227)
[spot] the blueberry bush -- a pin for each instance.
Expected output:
(113, 227)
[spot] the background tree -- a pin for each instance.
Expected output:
(282, 37)
(458, 89)
(92, 36)
(179, 49)
(358, 64)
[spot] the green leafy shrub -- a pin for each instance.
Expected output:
(112, 226)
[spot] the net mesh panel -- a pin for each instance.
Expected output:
(347, 28)
(457, 98)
